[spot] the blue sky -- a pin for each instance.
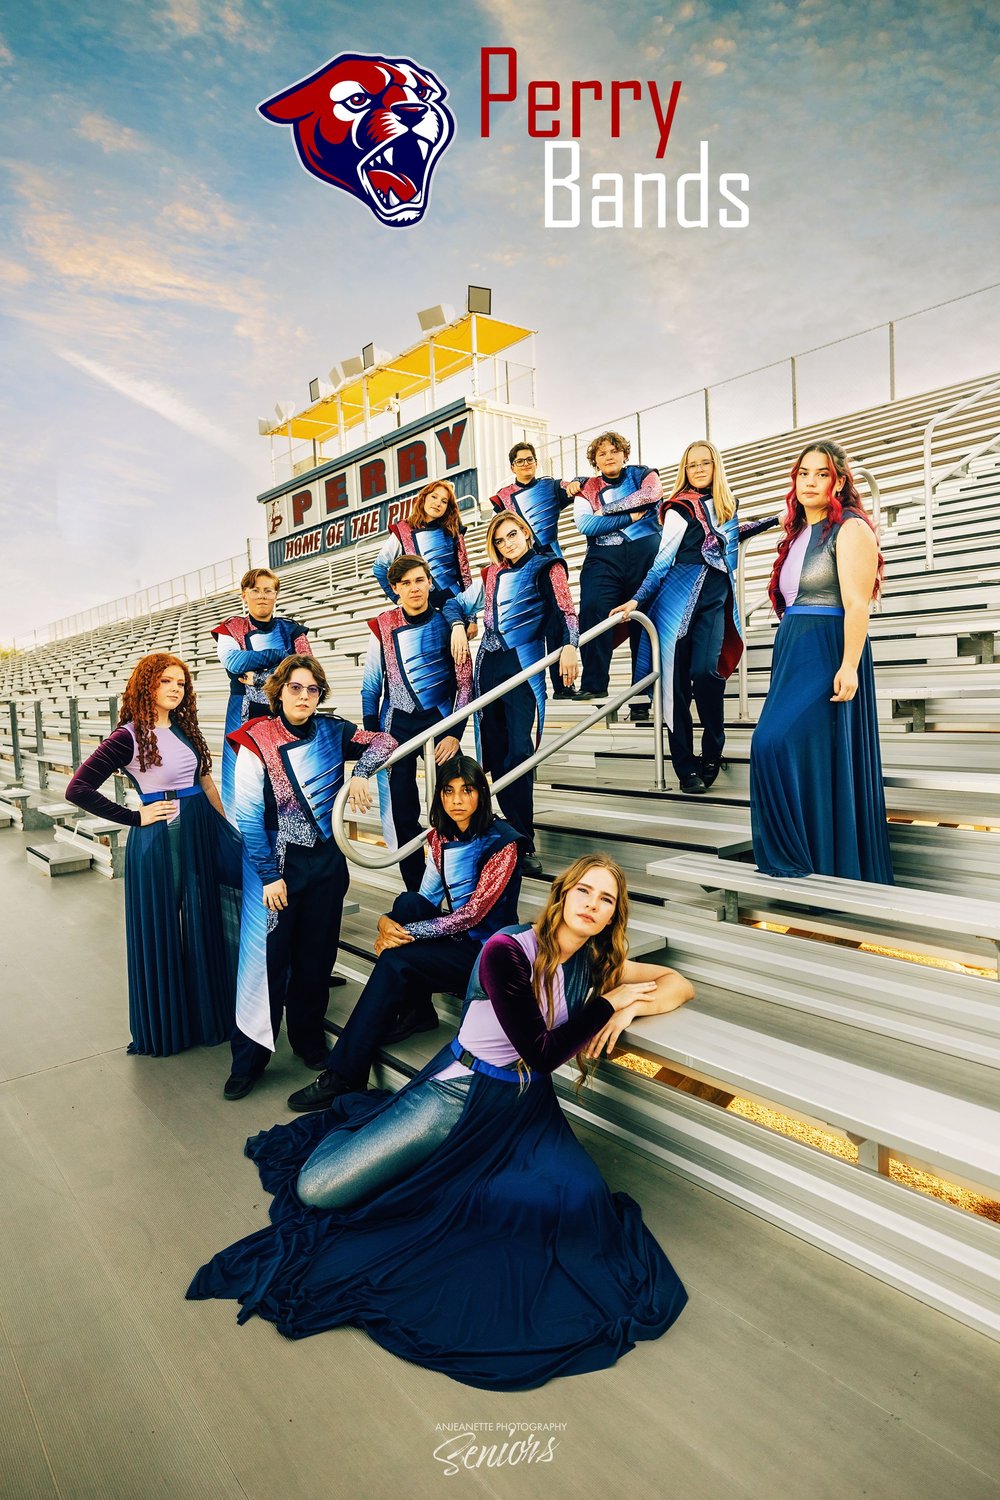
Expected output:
(168, 271)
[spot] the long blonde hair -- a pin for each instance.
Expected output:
(723, 499)
(607, 950)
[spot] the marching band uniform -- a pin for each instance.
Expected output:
(469, 891)
(525, 605)
(248, 645)
(539, 504)
(444, 554)
(285, 784)
(690, 595)
(410, 684)
(620, 550)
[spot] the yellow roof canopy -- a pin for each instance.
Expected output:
(403, 375)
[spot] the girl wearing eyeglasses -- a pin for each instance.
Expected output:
(250, 646)
(183, 863)
(690, 595)
(289, 769)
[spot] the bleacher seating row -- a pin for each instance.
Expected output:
(876, 1019)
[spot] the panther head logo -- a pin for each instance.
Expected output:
(374, 126)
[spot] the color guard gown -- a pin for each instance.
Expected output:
(817, 801)
(182, 895)
(502, 1260)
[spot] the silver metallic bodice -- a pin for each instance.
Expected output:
(818, 581)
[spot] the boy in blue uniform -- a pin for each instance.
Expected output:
(616, 510)
(410, 684)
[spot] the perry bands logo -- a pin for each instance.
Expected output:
(374, 126)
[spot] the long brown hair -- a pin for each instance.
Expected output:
(139, 709)
(607, 950)
(451, 521)
(845, 499)
(723, 499)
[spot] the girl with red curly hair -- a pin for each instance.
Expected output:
(183, 863)
(816, 795)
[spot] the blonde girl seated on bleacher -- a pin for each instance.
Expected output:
(183, 863)
(459, 1221)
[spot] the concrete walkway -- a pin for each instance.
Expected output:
(789, 1376)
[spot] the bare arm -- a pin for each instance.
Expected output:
(670, 991)
(211, 791)
(857, 562)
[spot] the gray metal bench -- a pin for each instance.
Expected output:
(829, 893)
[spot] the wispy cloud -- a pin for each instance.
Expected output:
(108, 134)
(6, 55)
(159, 399)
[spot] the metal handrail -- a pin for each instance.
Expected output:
(373, 860)
(932, 480)
(861, 471)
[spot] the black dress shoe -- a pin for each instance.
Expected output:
(591, 697)
(531, 865)
(563, 692)
(692, 782)
(409, 1023)
(639, 713)
(237, 1086)
(320, 1093)
(335, 981)
(710, 771)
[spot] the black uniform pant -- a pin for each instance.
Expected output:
(301, 951)
(696, 674)
(404, 794)
(404, 979)
(610, 576)
(505, 732)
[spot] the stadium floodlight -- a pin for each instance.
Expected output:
(372, 355)
(433, 318)
(283, 410)
(263, 426)
(352, 366)
(335, 375)
(480, 300)
(318, 389)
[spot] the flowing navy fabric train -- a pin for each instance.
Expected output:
(816, 795)
(502, 1260)
(182, 896)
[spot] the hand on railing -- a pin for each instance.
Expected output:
(359, 797)
(569, 665)
(625, 610)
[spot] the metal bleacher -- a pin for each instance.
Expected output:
(844, 1044)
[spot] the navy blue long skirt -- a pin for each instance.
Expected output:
(816, 797)
(502, 1261)
(182, 929)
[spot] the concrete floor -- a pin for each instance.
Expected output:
(789, 1377)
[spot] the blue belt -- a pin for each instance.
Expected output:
(814, 609)
(476, 1065)
(181, 791)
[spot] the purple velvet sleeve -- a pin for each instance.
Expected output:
(505, 974)
(112, 755)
